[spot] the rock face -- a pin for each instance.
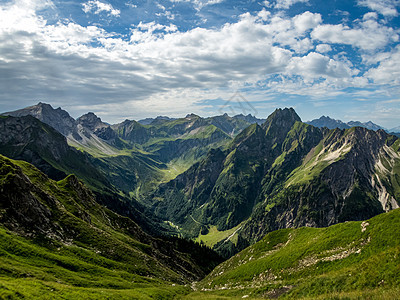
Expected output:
(88, 132)
(285, 173)
(29, 139)
(97, 127)
(334, 183)
(57, 118)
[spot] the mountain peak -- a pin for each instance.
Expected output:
(42, 104)
(91, 121)
(56, 118)
(326, 121)
(191, 116)
(282, 117)
(89, 116)
(330, 123)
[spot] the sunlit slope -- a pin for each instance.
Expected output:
(352, 259)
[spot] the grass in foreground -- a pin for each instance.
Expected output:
(352, 260)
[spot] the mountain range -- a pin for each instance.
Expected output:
(282, 174)
(227, 183)
(330, 123)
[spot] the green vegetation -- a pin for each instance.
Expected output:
(56, 240)
(78, 249)
(213, 235)
(352, 259)
(68, 271)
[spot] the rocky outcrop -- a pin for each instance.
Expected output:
(96, 126)
(24, 207)
(29, 139)
(57, 118)
(88, 132)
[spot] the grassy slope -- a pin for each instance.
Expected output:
(335, 262)
(70, 272)
(214, 236)
(165, 155)
(101, 258)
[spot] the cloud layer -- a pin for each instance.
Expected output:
(86, 66)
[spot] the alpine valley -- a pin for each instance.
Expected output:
(223, 207)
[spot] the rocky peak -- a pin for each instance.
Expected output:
(280, 122)
(57, 118)
(366, 141)
(91, 121)
(283, 117)
(191, 116)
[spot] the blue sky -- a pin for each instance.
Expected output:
(138, 58)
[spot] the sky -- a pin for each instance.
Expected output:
(138, 58)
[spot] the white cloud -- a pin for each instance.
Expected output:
(98, 7)
(285, 4)
(160, 6)
(388, 70)
(315, 65)
(130, 4)
(157, 64)
(367, 35)
(306, 21)
(292, 32)
(386, 8)
(266, 3)
(323, 48)
(146, 32)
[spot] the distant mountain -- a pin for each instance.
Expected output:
(132, 155)
(250, 119)
(395, 129)
(328, 123)
(369, 125)
(332, 124)
(281, 174)
(97, 126)
(186, 139)
(26, 138)
(88, 132)
(212, 181)
(230, 125)
(56, 234)
(59, 119)
(157, 120)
